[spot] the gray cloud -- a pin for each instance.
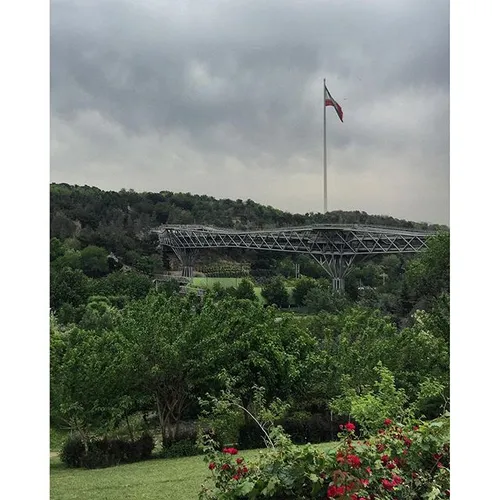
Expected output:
(225, 97)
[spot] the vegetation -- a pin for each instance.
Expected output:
(277, 356)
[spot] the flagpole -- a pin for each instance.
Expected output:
(324, 150)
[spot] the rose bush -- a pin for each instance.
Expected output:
(401, 461)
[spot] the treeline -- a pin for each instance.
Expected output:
(120, 221)
(158, 355)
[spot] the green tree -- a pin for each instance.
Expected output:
(56, 249)
(130, 284)
(321, 299)
(94, 261)
(275, 292)
(428, 276)
(302, 287)
(162, 357)
(250, 345)
(68, 286)
(99, 315)
(86, 383)
(245, 290)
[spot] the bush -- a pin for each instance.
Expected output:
(106, 452)
(72, 452)
(400, 461)
(181, 448)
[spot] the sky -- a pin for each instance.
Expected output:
(225, 98)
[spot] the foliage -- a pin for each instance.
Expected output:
(323, 299)
(371, 407)
(181, 448)
(428, 275)
(398, 462)
(302, 287)
(99, 315)
(245, 290)
(162, 346)
(94, 261)
(105, 452)
(275, 292)
(68, 286)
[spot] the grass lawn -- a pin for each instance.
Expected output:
(165, 479)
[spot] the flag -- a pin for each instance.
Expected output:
(330, 101)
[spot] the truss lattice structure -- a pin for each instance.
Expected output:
(333, 246)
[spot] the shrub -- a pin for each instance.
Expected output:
(72, 451)
(105, 452)
(181, 448)
(398, 462)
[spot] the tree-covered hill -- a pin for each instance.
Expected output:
(120, 221)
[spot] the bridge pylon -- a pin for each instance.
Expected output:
(187, 257)
(337, 267)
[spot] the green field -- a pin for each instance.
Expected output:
(165, 479)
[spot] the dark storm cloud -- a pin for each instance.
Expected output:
(243, 79)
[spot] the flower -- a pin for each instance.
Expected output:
(369, 470)
(353, 461)
(396, 479)
(230, 451)
(239, 460)
(350, 427)
(385, 459)
(211, 465)
(388, 485)
(226, 466)
(236, 477)
(387, 421)
(364, 482)
(391, 465)
(335, 491)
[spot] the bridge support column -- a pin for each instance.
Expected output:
(337, 267)
(187, 256)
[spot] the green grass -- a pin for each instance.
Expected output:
(165, 479)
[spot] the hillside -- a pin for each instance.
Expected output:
(120, 221)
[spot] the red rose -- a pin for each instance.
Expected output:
(226, 467)
(350, 426)
(211, 465)
(230, 451)
(335, 491)
(353, 461)
(407, 441)
(396, 479)
(391, 465)
(369, 470)
(239, 460)
(380, 447)
(387, 421)
(236, 477)
(244, 470)
(416, 427)
(388, 485)
(385, 459)
(364, 482)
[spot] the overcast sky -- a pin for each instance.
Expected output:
(225, 98)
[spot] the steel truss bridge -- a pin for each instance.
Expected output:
(333, 246)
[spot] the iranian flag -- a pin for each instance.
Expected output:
(330, 101)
